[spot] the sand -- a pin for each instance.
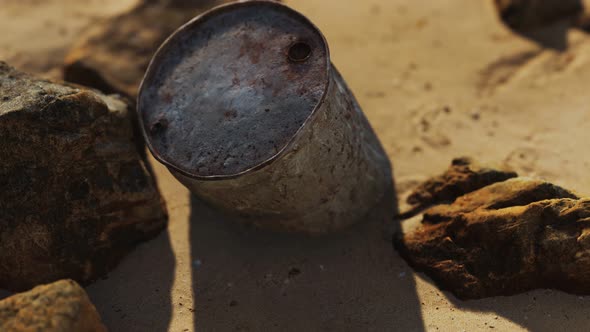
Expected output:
(437, 80)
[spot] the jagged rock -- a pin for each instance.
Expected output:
(463, 176)
(527, 14)
(62, 306)
(503, 239)
(113, 55)
(75, 195)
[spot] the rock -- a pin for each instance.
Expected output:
(463, 176)
(75, 195)
(113, 55)
(528, 14)
(503, 239)
(62, 306)
(583, 21)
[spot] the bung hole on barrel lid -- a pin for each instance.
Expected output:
(299, 51)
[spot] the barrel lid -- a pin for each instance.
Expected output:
(228, 91)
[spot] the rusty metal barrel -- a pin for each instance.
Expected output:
(245, 108)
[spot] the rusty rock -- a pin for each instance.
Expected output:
(463, 176)
(527, 14)
(62, 306)
(113, 55)
(75, 195)
(503, 239)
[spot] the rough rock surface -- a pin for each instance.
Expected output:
(527, 14)
(583, 21)
(75, 195)
(463, 176)
(113, 55)
(503, 239)
(62, 306)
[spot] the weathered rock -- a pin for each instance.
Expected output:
(463, 176)
(527, 14)
(583, 21)
(75, 195)
(62, 306)
(113, 55)
(503, 239)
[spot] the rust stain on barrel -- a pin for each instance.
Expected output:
(252, 49)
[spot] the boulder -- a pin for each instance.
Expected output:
(506, 238)
(62, 306)
(75, 194)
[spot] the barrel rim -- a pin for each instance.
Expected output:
(191, 24)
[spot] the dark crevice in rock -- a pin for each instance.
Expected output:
(62, 306)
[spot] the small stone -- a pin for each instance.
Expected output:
(76, 195)
(62, 306)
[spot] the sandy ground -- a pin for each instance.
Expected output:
(437, 79)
